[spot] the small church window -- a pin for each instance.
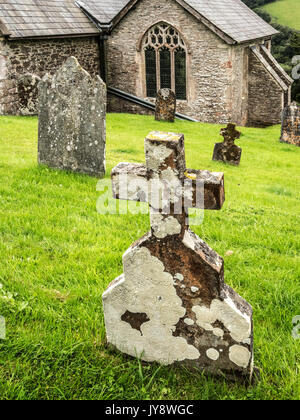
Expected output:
(165, 60)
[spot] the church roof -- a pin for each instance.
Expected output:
(38, 18)
(230, 19)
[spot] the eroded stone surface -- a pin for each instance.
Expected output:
(171, 305)
(165, 105)
(290, 130)
(72, 120)
(228, 152)
(28, 93)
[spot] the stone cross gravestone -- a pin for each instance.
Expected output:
(171, 304)
(165, 105)
(290, 129)
(72, 120)
(227, 151)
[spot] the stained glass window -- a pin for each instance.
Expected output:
(165, 60)
(150, 56)
(180, 73)
(165, 68)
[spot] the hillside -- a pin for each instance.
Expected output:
(285, 12)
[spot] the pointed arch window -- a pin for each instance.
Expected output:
(165, 60)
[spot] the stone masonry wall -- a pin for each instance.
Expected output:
(37, 57)
(215, 81)
(266, 97)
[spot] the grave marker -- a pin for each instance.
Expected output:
(165, 105)
(171, 305)
(227, 151)
(290, 129)
(72, 120)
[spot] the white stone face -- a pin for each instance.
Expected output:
(189, 241)
(3, 68)
(179, 277)
(156, 155)
(236, 322)
(213, 354)
(189, 321)
(137, 292)
(239, 355)
(164, 226)
(218, 332)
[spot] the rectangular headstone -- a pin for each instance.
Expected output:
(290, 129)
(72, 120)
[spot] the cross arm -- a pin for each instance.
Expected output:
(214, 189)
(130, 182)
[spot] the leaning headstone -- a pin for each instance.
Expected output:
(290, 130)
(165, 105)
(72, 118)
(228, 152)
(171, 304)
(28, 93)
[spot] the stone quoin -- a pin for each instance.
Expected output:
(171, 304)
(72, 120)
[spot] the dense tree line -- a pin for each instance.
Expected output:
(286, 44)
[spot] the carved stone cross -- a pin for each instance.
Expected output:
(171, 304)
(227, 151)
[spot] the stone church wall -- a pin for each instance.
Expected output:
(215, 82)
(37, 57)
(266, 97)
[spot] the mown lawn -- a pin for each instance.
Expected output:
(58, 255)
(285, 12)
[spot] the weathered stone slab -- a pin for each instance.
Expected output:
(165, 105)
(227, 151)
(171, 304)
(27, 86)
(72, 120)
(290, 129)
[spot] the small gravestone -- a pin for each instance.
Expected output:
(72, 119)
(28, 93)
(165, 105)
(171, 305)
(228, 152)
(290, 130)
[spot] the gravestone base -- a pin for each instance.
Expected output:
(228, 154)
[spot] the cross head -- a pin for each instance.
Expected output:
(230, 134)
(167, 185)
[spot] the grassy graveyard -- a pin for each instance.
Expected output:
(58, 255)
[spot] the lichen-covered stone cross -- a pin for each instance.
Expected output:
(171, 304)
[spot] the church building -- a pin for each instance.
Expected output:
(214, 54)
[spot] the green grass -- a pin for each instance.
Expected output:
(58, 255)
(285, 12)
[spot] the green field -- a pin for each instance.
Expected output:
(58, 255)
(285, 12)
